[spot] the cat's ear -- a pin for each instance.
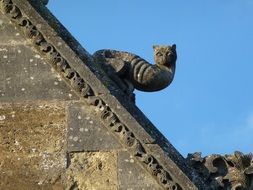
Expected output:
(174, 46)
(155, 47)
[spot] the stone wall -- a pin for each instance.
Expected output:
(49, 138)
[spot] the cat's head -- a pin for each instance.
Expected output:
(165, 55)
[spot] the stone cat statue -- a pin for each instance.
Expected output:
(131, 72)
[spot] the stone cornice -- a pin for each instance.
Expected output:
(225, 172)
(123, 119)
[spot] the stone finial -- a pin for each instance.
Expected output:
(233, 171)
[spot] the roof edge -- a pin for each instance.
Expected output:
(76, 66)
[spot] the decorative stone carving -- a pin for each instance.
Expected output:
(130, 71)
(225, 172)
(129, 140)
(109, 118)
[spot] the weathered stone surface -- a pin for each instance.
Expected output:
(132, 175)
(9, 34)
(92, 171)
(86, 132)
(139, 73)
(225, 172)
(178, 175)
(32, 146)
(57, 46)
(24, 75)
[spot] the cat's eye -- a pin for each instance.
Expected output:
(169, 53)
(159, 54)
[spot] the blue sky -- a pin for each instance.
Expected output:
(209, 105)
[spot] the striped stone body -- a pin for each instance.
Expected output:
(140, 73)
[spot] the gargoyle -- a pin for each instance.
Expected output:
(130, 72)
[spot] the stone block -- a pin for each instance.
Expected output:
(86, 132)
(32, 146)
(92, 171)
(24, 75)
(131, 175)
(9, 34)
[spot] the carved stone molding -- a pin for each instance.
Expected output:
(86, 92)
(227, 172)
(129, 141)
